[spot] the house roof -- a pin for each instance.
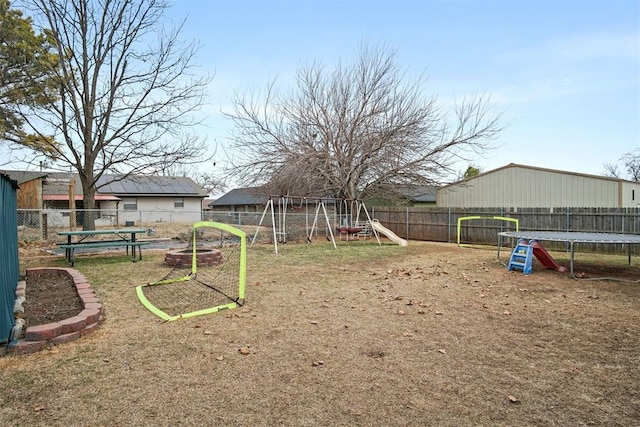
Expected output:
(140, 185)
(424, 194)
(535, 168)
(24, 176)
(137, 185)
(57, 182)
(242, 196)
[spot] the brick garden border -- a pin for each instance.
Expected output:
(39, 337)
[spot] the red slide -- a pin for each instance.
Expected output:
(545, 257)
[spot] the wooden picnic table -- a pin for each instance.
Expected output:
(87, 239)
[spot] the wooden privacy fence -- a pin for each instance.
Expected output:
(440, 224)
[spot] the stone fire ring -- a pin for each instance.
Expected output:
(184, 257)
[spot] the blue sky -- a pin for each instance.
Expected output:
(565, 74)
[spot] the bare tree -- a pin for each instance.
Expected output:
(355, 131)
(630, 165)
(128, 92)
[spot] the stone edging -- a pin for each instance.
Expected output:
(38, 337)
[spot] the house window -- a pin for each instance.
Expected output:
(130, 204)
(633, 194)
(178, 202)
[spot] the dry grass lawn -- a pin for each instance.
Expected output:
(430, 334)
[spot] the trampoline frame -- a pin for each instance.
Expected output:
(572, 237)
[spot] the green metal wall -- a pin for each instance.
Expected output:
(9, 264)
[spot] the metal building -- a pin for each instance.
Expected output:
(517, 186)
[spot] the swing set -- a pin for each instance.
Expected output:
(351, 218)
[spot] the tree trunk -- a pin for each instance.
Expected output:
(89, 203)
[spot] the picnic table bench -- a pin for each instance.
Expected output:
(126, 237)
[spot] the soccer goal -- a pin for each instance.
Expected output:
(209, 275)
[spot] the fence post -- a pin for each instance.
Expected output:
(449, 225)
(44, 232)
(567, 226)
(407, 223)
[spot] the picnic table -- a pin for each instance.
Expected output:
(89, 239)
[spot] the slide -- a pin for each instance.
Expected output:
(390, 234)
(545, 257)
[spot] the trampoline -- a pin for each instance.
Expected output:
(573, 237)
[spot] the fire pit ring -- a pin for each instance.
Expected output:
(184, 257)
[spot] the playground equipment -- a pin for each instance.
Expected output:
(476, 217)
(390, 234)
(573, 237)
(350, 218)
(199, 285)
(521, 257)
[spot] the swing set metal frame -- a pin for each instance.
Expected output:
(278, 219)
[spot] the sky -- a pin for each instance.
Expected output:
(565, 74)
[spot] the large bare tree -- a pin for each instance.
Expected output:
(355, 131)
(128, 89)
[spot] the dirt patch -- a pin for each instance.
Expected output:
(430, 334)
(50, 297)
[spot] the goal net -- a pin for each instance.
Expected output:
(206, 277)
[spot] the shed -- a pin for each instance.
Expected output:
(9, 264)
(517, 185)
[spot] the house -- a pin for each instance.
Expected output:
(119, 200)
(422, 196)
(523, 186)
(148, 199)
(206, 202)
(249, 199)
(254, 199)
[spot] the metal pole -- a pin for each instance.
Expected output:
(407, 223)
